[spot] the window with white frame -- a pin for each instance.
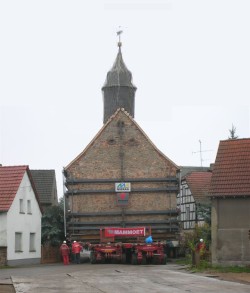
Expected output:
(21, 206)
(32, 241)
(29, 211)
(18, 242)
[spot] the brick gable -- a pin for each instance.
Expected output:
(108, 137)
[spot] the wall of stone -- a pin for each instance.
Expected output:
(137, 202)
(121, 152)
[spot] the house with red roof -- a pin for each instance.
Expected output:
(20, 217)
(193, 199)
(230, 194)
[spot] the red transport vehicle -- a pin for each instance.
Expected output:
(127, 245)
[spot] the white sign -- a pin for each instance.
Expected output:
(123, 186)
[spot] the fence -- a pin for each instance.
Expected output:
(3, 256)
(50, 254)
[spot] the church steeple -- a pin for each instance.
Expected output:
(118, 90)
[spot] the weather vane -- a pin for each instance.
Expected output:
(119, 32)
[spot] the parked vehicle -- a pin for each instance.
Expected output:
(127, 245)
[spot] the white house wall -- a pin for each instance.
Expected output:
(24, 223)
(3, 232)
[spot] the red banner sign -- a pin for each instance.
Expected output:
(125, 232)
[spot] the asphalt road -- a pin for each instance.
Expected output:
(112, 278)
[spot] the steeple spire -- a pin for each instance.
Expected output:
(118, 89)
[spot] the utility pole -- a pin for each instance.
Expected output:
(200, 152)
(64, 204)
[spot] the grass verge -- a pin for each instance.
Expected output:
(205, 266)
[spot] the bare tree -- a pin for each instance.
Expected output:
(233, 133)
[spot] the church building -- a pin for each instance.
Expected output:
(121, 179)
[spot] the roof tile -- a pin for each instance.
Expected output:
(231, 173)
(199, 184)
(10, 180)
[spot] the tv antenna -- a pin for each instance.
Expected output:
(200, 152)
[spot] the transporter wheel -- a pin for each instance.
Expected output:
(92, 257)
(104, 260)
(134, 259)
(124, 258)
(164, 259)
(144, 260)
(114, 260)
(155, 260)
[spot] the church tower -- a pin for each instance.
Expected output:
(118, 90)
(121, 154)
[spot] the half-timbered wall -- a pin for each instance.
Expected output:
(186, 205)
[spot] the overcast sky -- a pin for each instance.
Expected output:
(190, 61)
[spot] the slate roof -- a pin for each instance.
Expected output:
(231, 173)
(119, 75)
(45, 182)
(188, 169)
(10, 180)
(199, 184)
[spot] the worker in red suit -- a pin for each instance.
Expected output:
(201, 247)
(64, 249)
(76, 249)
